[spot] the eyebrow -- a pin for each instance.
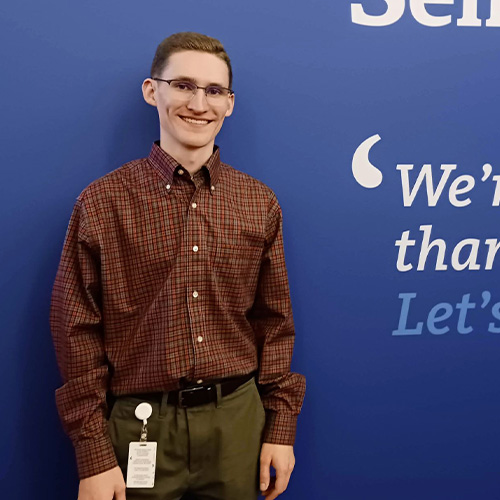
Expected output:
(193, 80)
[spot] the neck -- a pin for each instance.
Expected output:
(191, 159)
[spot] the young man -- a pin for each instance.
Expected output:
(172, 291)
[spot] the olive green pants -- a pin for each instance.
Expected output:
(208, 452)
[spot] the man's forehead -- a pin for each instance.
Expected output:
(199, 67)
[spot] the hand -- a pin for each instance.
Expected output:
(282, 459)
(108, 485)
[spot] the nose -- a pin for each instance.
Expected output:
(199, 101)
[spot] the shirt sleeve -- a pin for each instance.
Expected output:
(282, 391)
(77, 330)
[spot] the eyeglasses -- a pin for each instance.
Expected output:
(187, 90)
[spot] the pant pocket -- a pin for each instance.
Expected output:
(123, 428)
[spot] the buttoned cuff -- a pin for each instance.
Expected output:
(94, 456)
(280, 428)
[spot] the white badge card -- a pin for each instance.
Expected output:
(141, 465)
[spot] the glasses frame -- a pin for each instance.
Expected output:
(230, 92)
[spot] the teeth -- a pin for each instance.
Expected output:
(192, 120)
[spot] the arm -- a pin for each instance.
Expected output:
(282, 392)
(77, 330)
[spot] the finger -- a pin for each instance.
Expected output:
(282, 478)
(282, 481)
(270, 488)
(120, 494)
(265, 464)
(272, 494)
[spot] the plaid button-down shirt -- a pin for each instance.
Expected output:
(164, 277)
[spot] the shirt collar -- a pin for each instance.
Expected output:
(167, 165)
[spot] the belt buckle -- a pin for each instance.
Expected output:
(191, 390)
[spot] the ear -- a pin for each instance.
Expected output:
(230, 108)
(148, 91)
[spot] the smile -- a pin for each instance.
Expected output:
(195, 120)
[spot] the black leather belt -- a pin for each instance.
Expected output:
(198, 394)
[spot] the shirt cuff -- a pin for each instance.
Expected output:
(280, 428)
(94, 456)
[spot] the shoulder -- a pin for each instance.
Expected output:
(242, 182)
(113, 183)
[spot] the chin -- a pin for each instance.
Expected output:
(197, 142)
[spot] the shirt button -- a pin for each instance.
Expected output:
(195, 294)
(180, 171)
(212, 188)
(168, 186)
(195, 248)
(200, 381)
(200, 339)
(194, 205)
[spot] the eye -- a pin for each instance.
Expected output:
(183, 86)
(214, 90)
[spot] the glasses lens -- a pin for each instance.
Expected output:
(215, 92)
(183, 88)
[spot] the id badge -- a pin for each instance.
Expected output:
(141, 465)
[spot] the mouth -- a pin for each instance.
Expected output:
(195, 121)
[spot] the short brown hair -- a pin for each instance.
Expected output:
(188, 40)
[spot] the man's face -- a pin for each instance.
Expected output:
(191, 123)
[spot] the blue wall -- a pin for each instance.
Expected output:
(386, 416)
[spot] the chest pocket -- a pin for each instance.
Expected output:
(237, 270)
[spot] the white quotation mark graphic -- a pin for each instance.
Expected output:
(487, 169)
(364, 172)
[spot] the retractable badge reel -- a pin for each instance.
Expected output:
(142, 453)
